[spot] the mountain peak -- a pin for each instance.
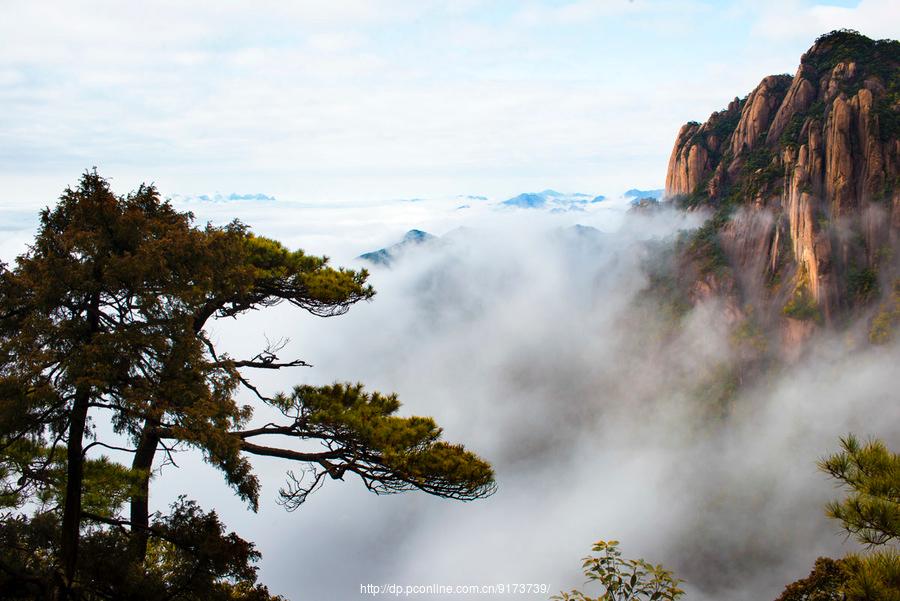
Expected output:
(553, 200)
(386, 256)
(417, 236)
(800, 155)
(526, 200)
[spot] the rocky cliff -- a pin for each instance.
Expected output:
(802, 177)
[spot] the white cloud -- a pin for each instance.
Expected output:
(531, 348)
(796, 19)
(356, 99)
(525, 345)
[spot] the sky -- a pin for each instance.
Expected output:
(354, 100)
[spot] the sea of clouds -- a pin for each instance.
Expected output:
(534, 343)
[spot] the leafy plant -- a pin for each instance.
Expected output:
(624, 579)
(886, 320)
(704, 245)
(826, 582)
(862, 284)
(802, 305)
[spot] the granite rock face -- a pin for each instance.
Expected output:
(803, 179)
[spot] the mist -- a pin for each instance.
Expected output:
(536, 344)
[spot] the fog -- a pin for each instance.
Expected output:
(535, 344)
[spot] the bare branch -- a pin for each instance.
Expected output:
(97, 443)
(255, 449)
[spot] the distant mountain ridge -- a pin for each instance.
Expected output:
(415, 239)
(553, 200)
(231, 197)
(386, 256)
(637, 195)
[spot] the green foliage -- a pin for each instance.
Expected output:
(887, 112)
(887, 108)
(712, 137)
(791, 134)
(885, 322)
(704, 247)
(18, 459)
(698, 198)
(760, 168)
(826, 582)
(801, 305)
(723, 123)
(101, 310)
(107, 485)
(862, 284)
(813, 116)
(758, 158)
(720, 125)
(624, 579)
(27, 550)
(389, 453)
(148, 280)
(880, 57)
(717, 388)
(890, 183)
(191, 557)
(871, 474)
(103, 321)
(872, 577)
(192, 554)
(749, 335)
(816, 111)
(783, 83)
(666, 292)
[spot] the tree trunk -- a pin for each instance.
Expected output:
(71, 523)
(143, 461)
(140, 502)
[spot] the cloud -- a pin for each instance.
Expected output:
(533, 344)
(346, 100)
(584, 12)
(804, 20)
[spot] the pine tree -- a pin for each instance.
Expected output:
(103, 320)
(870, 512)
(871, 473)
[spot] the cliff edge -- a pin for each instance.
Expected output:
(802, 177)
